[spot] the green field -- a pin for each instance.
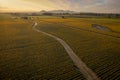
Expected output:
(27, 54)
(100, 51)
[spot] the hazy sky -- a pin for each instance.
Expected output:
(109, 6)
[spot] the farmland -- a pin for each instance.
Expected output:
(98, 50)
(27, 54)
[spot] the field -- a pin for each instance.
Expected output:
(27, 54)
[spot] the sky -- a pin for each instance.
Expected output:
(99, 6)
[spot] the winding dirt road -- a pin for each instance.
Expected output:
(87, 72)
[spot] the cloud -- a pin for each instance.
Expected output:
(2, 9)
(108, 6)
(76, 5)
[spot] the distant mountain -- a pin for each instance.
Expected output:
(58, 11)
(43, 11)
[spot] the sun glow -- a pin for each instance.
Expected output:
(75, 5)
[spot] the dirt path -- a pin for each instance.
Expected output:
(87, 72)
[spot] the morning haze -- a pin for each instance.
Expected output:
(59, 40)
(106, 6)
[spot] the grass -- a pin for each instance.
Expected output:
(27, 54)
(86, 23)
(5, 16)
(99, 52)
